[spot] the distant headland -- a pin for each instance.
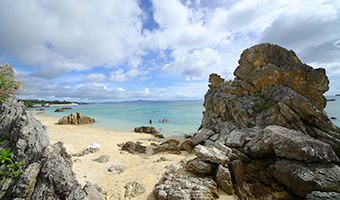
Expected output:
(42, 103)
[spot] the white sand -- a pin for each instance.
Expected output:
(141, 168)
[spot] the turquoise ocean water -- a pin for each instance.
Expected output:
(184, 117)
(333, 109)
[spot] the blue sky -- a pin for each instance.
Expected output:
(123, 50)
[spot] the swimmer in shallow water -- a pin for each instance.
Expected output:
(150, 121)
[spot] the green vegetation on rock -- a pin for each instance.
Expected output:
(8, 169)
(8, 85)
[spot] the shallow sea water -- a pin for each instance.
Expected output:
(184, 117)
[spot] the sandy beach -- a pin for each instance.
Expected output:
(143, 168)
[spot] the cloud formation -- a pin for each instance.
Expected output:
(131, 45)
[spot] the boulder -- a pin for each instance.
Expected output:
(303, 178)
(236, 139)
(103, 159)
(220, 146)
(116, 169)
(211, 154)
(167, 148)
(237, 172)
(75, 119)
(173, 142)
(202, 135)
(146, 129)
(93, 191)
(288, 143)
(198, 166)
(223, 178)
(59, 110)
(133, 189)
(134, 148)
(187, 146)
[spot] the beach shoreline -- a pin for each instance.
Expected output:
(143, 168)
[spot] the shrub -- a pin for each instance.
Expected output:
(8, 85)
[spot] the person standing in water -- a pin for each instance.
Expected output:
(150, 121)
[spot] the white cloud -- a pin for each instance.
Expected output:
(193, 38)
(119, 75)
(195, 64)
(96, 77)
(71, 35)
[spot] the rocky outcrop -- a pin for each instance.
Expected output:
(272, 87)
(148, 130)
(61, 109)
(75, 119)
(270, 125)
(47, 172)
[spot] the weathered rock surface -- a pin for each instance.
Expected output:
(93, 191)
(133, 189)
(185, 187)
(303, 178)
(167, 148)
(271, 115)
(201, 135)
(198, 166)
(85, 152)
(134, 148)
(103, 159)
(211, 154)
(272, 87)
(47, 173)
(237, 172)
(187, 146)
(292, 144)
(317, 195)
(236, 139)
(223, 178)
(59, 110)
(148, 130)
(116, 169)
(75, 119)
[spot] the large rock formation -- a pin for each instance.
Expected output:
(272, 87)
(75, 119)
(270, 125)
(47, 172)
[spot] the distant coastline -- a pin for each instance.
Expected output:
(42, 103)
